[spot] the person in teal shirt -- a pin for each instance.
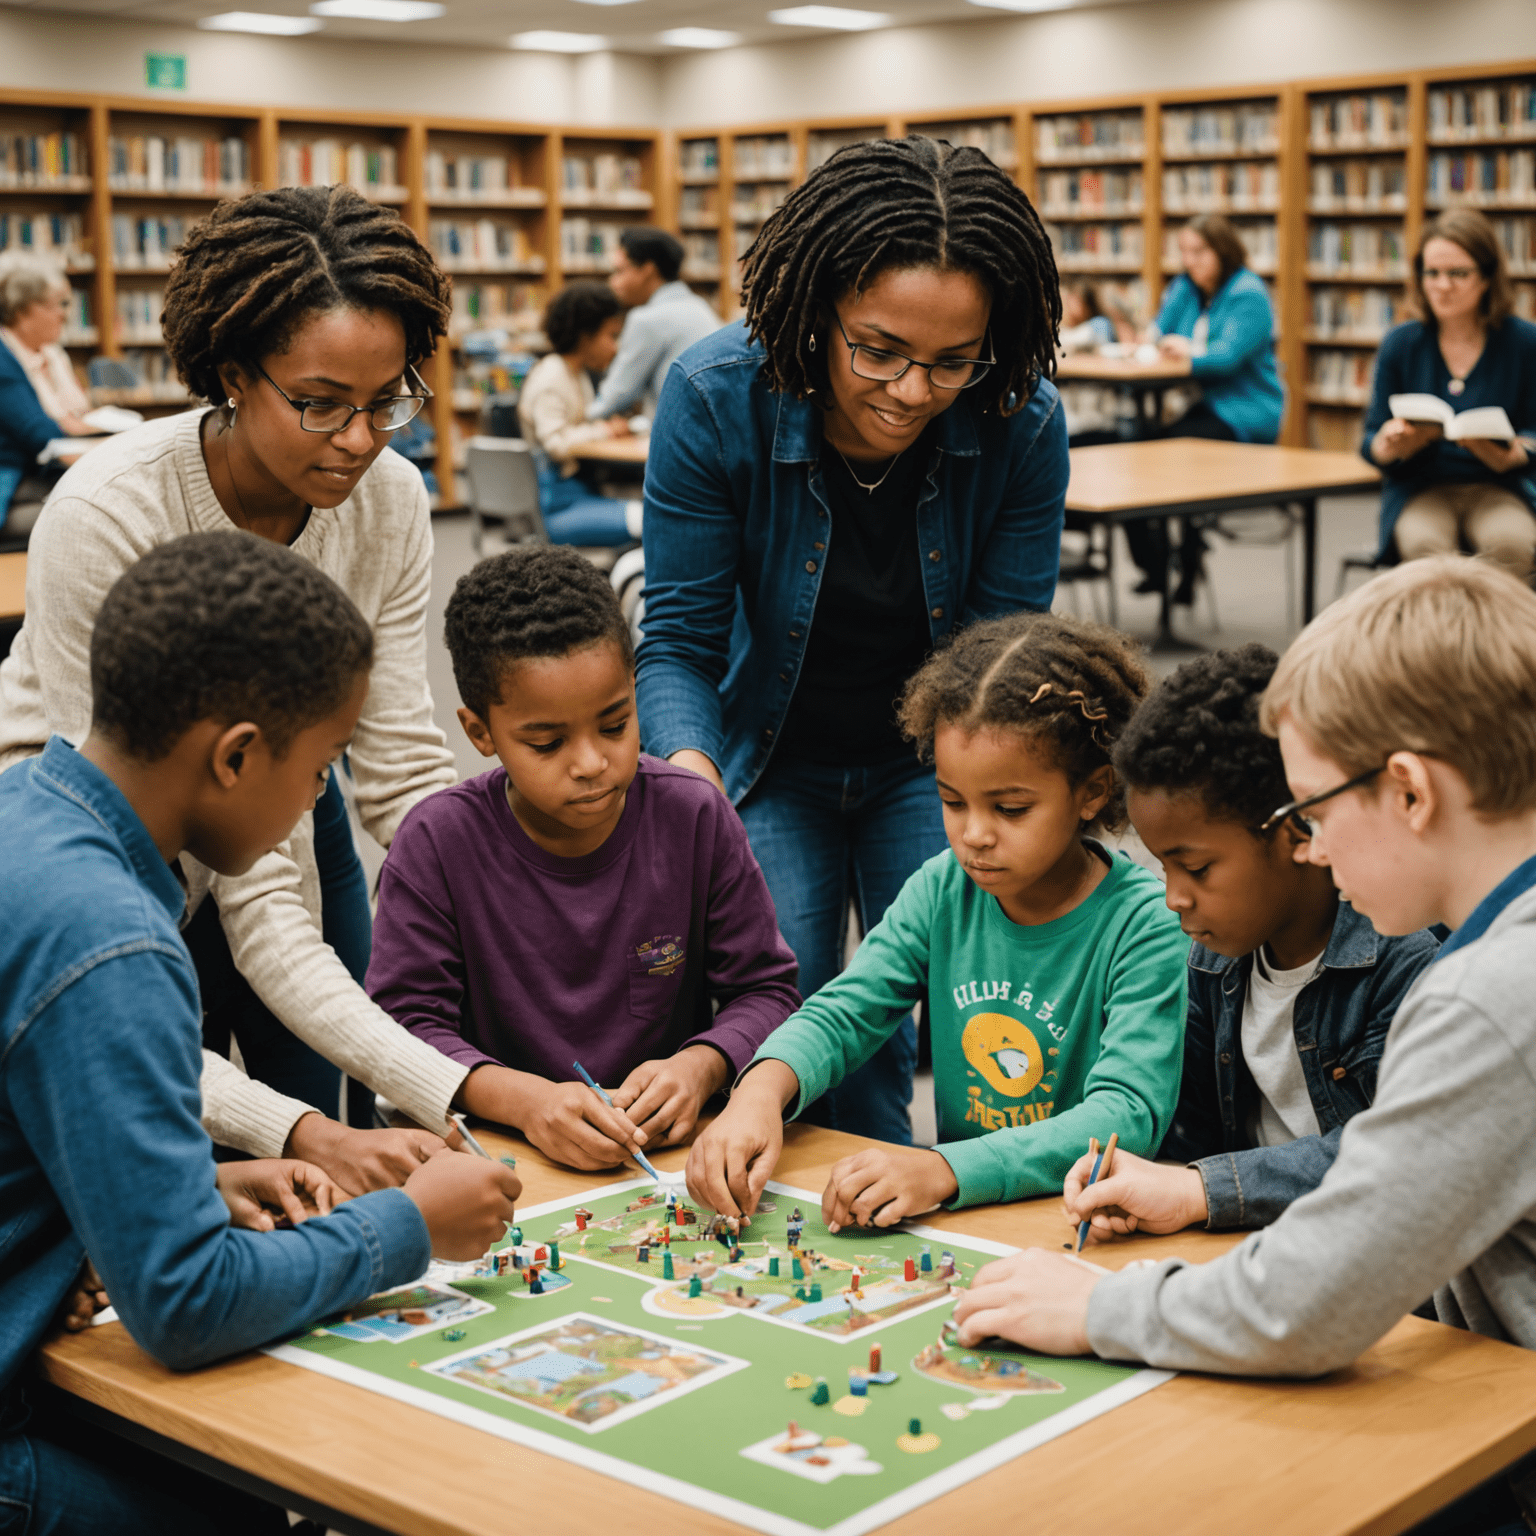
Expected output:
(1053, 971)
(1216, 315)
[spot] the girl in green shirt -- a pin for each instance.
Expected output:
(1053, 972)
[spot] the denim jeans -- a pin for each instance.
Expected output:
(575, 514)
(272, 1053)
(823, 834)
(64, 1477)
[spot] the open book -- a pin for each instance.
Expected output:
(1490, 421)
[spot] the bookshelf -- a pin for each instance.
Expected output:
(701, 183)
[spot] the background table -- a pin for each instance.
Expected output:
(13, 585)
(1145, 383)
(615, 450)
(1190, 476)
(1426, 1414)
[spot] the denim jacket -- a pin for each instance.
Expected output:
(737, 528)
(1342, 1018)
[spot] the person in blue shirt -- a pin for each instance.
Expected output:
(1216, 316)
(228, 674)
(873, 458)
(1466, 347)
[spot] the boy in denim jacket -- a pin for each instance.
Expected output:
(1291, 991)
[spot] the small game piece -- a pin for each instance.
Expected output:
(666, 1237)
(738, 1290)
(858, 1383)
(910, 1272)
(874, 1358)
(815, 1291)
(735, 1253)
(666, 1266)
(695, 1286)
(643, 1256)
(819, 1393)
(796, 1380)
(946, 1266)
(509, 1162)
(515, 1237)
(583, 1216)
(925, 1260)
(915, 1442)
(853, 1279)
(554, 1255)
(773, 1265)
(537, 1288)
(453, 1335)
(883, 1378)
(914, 1426)
(796, 1270)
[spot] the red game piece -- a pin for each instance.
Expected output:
(874, 1357)
(910, 1273)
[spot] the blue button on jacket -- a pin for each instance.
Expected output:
(738, 527)
(101, 1147)
(1236, 373)
(1341, 1021)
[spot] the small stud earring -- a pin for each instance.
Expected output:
(234, 410)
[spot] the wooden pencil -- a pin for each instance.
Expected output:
(1100, 1171)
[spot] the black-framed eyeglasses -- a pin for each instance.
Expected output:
(332, 416)
(885, 367)
(1306, 825)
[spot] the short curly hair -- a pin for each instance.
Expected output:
(1066, 682)
(533, 601)
(1199, 734)
(578, 310)
(226, 627)
(258, 266)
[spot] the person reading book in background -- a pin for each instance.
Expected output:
(1466, 348)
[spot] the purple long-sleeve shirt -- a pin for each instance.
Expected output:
(493, 950)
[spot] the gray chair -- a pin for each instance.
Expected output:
(503, 493)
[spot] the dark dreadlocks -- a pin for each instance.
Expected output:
(257, 267)
(911, 202)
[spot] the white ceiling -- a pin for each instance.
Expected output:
(629, 27)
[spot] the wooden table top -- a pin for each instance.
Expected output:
(1423, 1416)
(615, 450)
(13, 585)
(1090, 367)
(1119, 477)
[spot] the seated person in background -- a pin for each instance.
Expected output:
(581, 902)
(1091, 409)
(582, 323)
(1053, 973)
(227, 675)
(1217, 318)
(1291, 991)
(665, 318)
(1466, 347)
(1084, 325)
(40, 398)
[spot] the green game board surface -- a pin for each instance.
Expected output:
(619, 1370)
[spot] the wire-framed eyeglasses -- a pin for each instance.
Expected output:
(885, 367)
(1307, 825)
(333, 416)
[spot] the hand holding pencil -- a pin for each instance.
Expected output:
(1134, 1195)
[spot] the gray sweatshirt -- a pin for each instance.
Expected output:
(1433, 1190)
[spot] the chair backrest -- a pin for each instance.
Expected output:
(109, 373)
(504, 490)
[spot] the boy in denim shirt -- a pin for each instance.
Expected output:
(227, 675)
(1291, 991)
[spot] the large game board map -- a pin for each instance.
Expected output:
(787, 1378)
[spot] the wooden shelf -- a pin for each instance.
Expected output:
(62, 186)
(1343, 339)
(621, 201)
(1357, 210)
(1392, 147)
(513, 198)
(1077, 213)
(1349, 400)
(1200, 156)
(1484, 141)
(177, 194)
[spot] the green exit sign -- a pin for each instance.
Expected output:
(165, 71)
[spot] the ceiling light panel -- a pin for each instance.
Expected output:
(262, 22)
(379, 10)
(558, 42)
(833, 17)
(698, 37)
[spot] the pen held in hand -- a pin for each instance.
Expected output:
(1100, 1171)
(634, 1152)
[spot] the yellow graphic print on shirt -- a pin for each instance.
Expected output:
(1004, 1052)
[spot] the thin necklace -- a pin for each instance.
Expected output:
(871, 489)
(234, 485)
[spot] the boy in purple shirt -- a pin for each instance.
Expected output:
(581, 902)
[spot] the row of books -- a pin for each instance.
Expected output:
(1260, 240)
(1518, 237)
(496, 306)
(151, 163)
(1241, 186)
(1359, 185)
(820, 147)
(1252, 127)
(1359, 121)
(752, 204)
(1489, 178)
(701, 252)
(153, 374)
(1125, 298)
(138, 314)
(447, 174)
(1368, 250)
(1085, 246)
(1339, 374)
(372, 168)
(1090, 192)
(699, 157)
(697, 203)
(482, 245)
(42, 159)
(601, 173)
(994, 139)
(1356, 312)
(56, 237)
(78, 324)
(1483, 111)
(589, 244)
(770, 155)
(1090, 136)
(146, 243)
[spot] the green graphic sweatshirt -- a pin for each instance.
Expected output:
(1042, 1036)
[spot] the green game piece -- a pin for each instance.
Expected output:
(666, 1265)
(695, 1287)
(773, 1266)
(914, 1427)
(797, 1270)
(554, 1255)
(510, 1162)
(815, 1291)
(453, 1335)
(819, 1393)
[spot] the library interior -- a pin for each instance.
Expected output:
(434, 416)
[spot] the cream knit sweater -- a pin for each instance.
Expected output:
(149, 485)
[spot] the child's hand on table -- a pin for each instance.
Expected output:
(298, 1190)
(736, 1154)
(1036, 1299)
(664, 1098)
(568, 1122)
(884, 1185)
(360, 1161)
(1138, 1196)
(87, 1299)
(465, 1201)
